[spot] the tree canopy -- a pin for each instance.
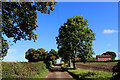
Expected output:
(36, 55)
(53, 55)
(4, 48)
(41, 55)
(19, 18)
(76, 37)
(113, 54)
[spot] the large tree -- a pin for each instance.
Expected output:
(19, 18)
(113, 54)
(76, 35)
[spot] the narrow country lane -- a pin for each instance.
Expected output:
(57, 73)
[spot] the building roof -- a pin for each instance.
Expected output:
(103, 56)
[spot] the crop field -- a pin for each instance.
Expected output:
(97, 66)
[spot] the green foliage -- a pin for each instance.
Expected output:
(116, 70)
(52, 56)
(5, 47)
(65, 54)
(113, 54)
(22, 69)
(48, 64)
(36, 55)
(19, 18)
(76, 38)
(40, 55)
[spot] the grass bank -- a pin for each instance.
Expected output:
(86, 74)
(22, 70)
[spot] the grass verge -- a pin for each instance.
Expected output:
(42, 74)
(86, 74)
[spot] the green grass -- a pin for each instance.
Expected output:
(42, 74)
(87, 74)
(91, 74)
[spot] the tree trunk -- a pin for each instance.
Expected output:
(70, 63)
(74, 67)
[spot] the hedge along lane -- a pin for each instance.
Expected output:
(22, 69)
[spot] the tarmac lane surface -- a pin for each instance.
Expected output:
(56, 73)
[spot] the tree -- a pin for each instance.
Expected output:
(76, 36)
(31, 55)
(36, 55)
(4, 47)
(19, 18)
(64, 53)
(53, 55)
(113, 54)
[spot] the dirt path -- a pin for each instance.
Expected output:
(56, 73)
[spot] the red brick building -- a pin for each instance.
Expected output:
(103, 57)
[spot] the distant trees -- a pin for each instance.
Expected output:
(53, 56)
(35, 55)
(41, 55)
(19, 18)
(76, 38)
(113, 54)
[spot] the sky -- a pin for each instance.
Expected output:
(102, 19)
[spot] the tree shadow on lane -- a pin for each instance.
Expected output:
(56, 69)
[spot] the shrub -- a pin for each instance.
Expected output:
(48, 64)
(116, 70)
(22, 69)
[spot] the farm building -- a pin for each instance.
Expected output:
(103, 57)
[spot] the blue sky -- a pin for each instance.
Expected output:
(102, 19)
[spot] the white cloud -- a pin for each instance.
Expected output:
(11, 50)
(109, 31)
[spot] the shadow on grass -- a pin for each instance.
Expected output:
(86, 76)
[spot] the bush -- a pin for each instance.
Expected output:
(48, 64)
(116, 71)
(22, 69)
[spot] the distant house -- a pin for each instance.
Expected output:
(77, 58)
(103, 57)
